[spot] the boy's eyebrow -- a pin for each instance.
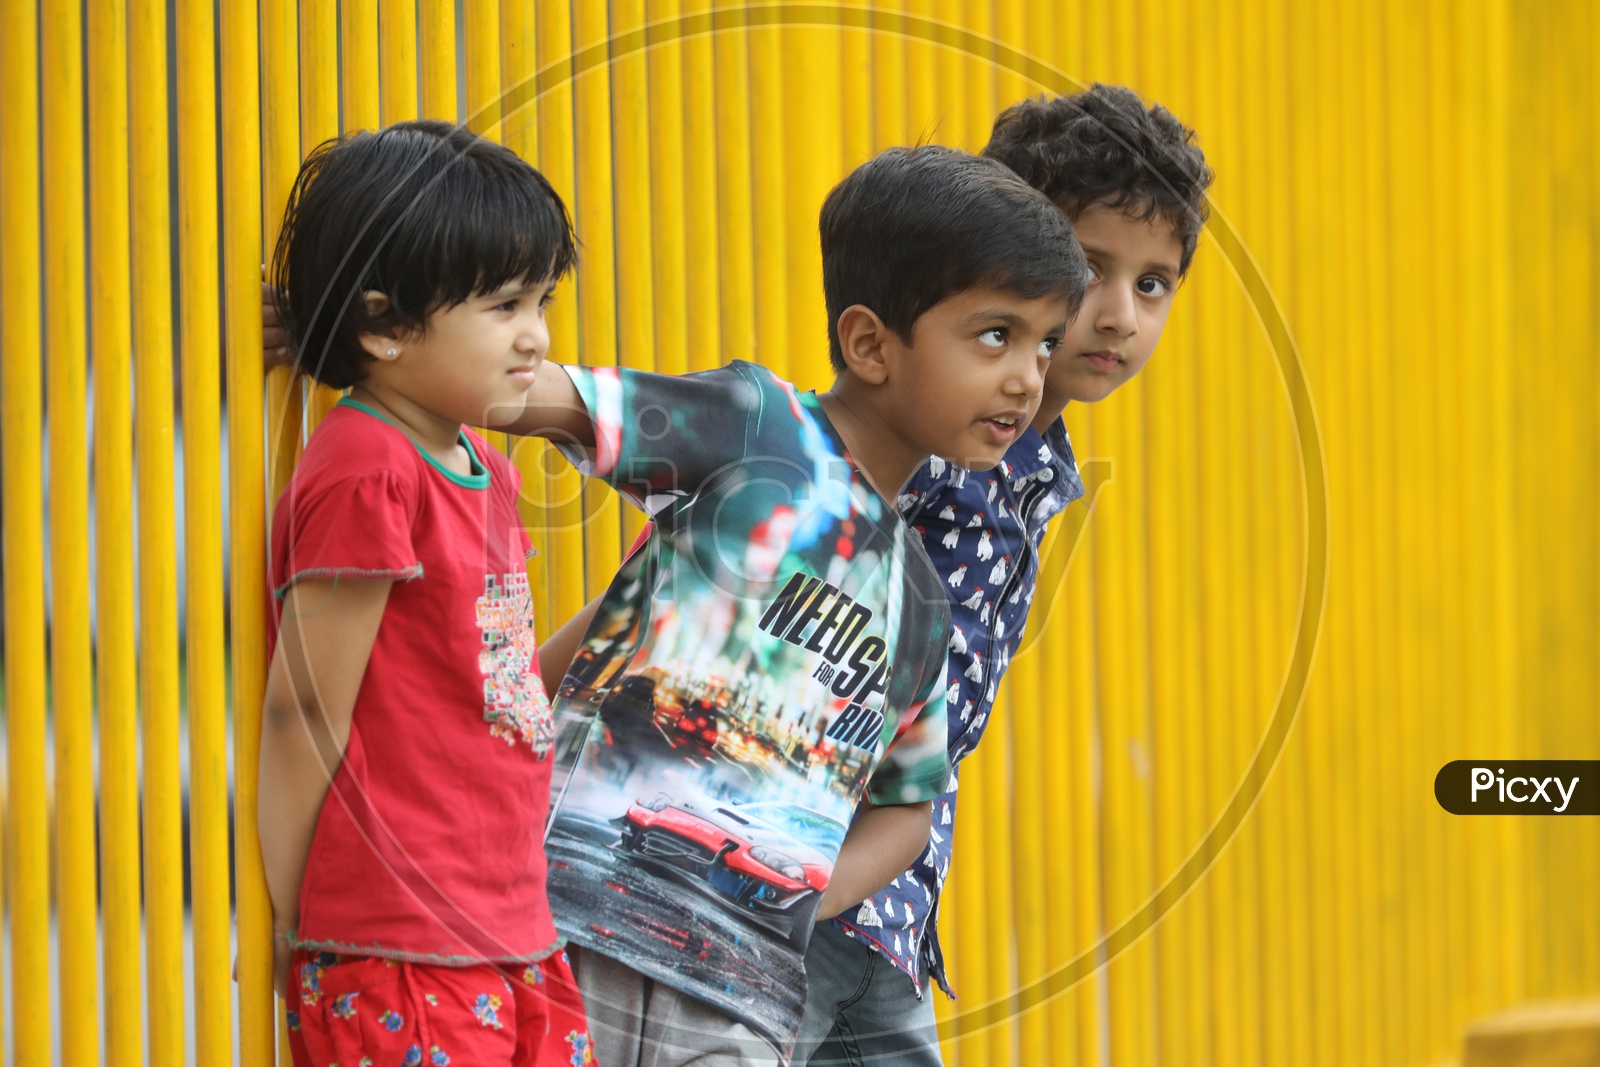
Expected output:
(1155, 264)
(1008, 318)
(1003, 317)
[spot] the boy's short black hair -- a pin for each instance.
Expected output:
(1104, 146)
(915, 226)
(427, 213)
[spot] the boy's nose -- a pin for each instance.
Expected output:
(1029, 379)
(1117, 313)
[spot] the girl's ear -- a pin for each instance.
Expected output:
(383, 347)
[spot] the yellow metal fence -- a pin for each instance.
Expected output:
(1343, 530)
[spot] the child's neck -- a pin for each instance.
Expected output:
(436, 436)
(1051, 405)
(884, 460)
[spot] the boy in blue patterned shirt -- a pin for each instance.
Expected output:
(1133, 183)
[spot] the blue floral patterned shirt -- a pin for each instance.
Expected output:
(982, 530)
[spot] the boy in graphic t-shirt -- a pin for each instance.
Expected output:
(775, 654)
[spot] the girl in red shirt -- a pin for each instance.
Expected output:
(406, 733)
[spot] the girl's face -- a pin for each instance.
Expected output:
(475, 358)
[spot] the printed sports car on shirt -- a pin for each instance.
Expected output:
(765, 859)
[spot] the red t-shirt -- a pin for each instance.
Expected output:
(429, 846)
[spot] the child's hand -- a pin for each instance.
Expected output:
(280, 965)
(274, 338)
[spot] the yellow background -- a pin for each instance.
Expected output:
(1367, 446)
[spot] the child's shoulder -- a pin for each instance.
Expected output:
(352, 443)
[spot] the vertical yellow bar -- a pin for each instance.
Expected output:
(1175, 597)
(598, 282)
(1011, 30)
(437, 41)
(1241, 548)
(1510, 843)
(207, 680)
(1405, 153)
(668, 209)
(563, 543)
(998, 863)
(812, 107)
(520, 132)
(280, 159)
(1124, 695)
(20, 342)
(319, 121)
(856, 110)
(1032, 846)
(768, 165)
(633, 256)
(397, 34)
(241, 252)
(978, 101)
(730, 129)
(483, 68)
(359, 81)
(702, 194)
(482, 114)
(890, 87)
(158, 616)
(70, 650)
(1084, 792)
(116, 669)
(1381, 637)
(951, 69)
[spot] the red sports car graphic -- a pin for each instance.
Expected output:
(769, 861)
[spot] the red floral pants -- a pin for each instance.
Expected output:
(363, 1010)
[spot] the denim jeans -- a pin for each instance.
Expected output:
(861, 1009)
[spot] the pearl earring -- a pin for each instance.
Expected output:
(392, 352)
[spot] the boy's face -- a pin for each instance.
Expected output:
(970, 380)
(1133, 273)
(477, 356)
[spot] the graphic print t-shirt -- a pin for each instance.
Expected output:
(428, 844)
(771, 656)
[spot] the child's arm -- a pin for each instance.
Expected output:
(557, 650)
(324, 642)
(881, 844)
(554, 409)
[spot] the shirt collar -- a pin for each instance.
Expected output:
(1034, 453)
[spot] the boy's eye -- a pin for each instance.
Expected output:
(1151, 285)
(508, 305)
(1094, 274)
(1047, 347)
(995, 338)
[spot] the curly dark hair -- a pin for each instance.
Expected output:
(1105, 146)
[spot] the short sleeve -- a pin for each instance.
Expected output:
(660, 437)
(916, 766)
(357, 527)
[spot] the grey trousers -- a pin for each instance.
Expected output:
(637, 1022)
(861, 1009)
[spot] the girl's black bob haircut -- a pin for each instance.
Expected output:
(427, 213)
